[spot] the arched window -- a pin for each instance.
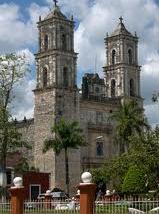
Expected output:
(99, 148)
(65, 77)
(45, 77)
(64, 43)
(113, 85)
(46, 42)
(113, 57)
(130, 56)
(132, 88)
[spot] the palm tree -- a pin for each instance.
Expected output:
(66, 135)
(129, 120)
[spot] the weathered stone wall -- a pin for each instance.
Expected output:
(26, 127)
(56, 93)
(67, 104)
(44, 117)
(97, 125)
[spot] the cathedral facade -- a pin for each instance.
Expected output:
(57, 95)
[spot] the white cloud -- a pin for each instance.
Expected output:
(16, 32)
(152, 113)
(151, 65)
(23, 97)
(150, 77)
(16, 35)
(29, 56)
(72, 7)
(102, 17)
(94, 19)
(35, 11)
(23, 103)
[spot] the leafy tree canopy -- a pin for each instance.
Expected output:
(143, 153)
(129, 122)
(134, 181)
(12, 69)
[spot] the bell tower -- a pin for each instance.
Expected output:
(122, 72)
(56, 92)
(56, 59)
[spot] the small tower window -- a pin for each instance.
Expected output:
(132, 88)
(65, 77)
(64, 43)
(113, 57)
(45, 77)
(46, 42)
(130, 56)
(113, 85)
(99, 148)
(97, 90)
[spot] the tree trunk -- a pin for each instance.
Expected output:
(3, 177)
(3, 154)
(121, 148)
(67, 171)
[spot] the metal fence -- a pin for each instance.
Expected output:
(127, 207)
(5, 207)
(55, 207)
(144, 206)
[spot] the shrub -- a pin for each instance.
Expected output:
(134, 181)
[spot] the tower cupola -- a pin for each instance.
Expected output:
(56, 59)
(122, 72)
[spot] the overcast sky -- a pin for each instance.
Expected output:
(94, 18)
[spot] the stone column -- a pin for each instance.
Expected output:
(87, 194)
(17, 196)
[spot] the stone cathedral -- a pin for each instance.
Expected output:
(57, 95)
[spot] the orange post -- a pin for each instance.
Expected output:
(87, 194)
(48, 200)
(17, 200)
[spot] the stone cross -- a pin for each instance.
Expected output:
(121, 19)
(55, 1)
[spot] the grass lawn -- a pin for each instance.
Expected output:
(108, 209)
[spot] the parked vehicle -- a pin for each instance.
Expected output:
(41, 196)
(59, 196)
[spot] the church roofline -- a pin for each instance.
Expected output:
(24, 122)
(121, 36)
(55, 14)
(99, 99)
(50, 20)
(121, 30)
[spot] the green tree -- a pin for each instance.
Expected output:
(22, 166)
(12, 70)
(129, 121)
(135, 181)
(112, 172)
(144, 153)
(99, 176)
(66, 135)
(10, 138)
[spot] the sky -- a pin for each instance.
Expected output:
(94, 18)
